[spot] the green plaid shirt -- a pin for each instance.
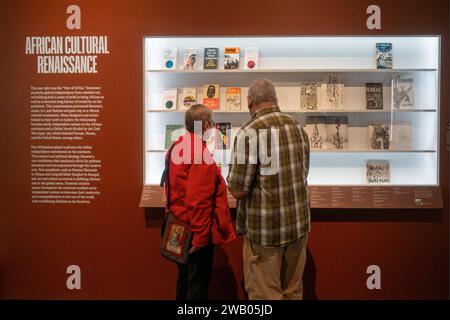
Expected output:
(276, 210)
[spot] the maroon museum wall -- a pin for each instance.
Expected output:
(109, 239)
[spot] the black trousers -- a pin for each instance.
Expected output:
(194, 277)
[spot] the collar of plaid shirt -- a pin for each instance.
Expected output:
(264, 111)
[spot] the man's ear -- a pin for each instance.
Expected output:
(207, 125)
(249, 102)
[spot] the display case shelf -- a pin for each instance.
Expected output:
(291, 71)
(363, 111)
(340, 151)
(373, 151)
(307, 111)
(338, 197)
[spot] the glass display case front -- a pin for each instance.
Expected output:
(370, 105)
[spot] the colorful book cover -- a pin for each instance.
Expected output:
(374, 96)
(378, 171)
(337, 132)
(189, 97)
(170, 59)
(333, 94)
(309, 96)
(316, 128)
(170, 98)
(251, 58)
(402, 93)
(384, 55)
(211, 58)
(190, 59)
(233, 99)
(231, 58)
(211, 96)
(223, 135)
(379, 136)
(173, 132)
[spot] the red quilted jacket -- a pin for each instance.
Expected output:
(192, 187)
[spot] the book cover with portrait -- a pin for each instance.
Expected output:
(211, 96)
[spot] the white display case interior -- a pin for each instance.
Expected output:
(290, 61)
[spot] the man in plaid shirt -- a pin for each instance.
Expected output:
(268, 176)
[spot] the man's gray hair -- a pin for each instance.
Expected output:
(197, 112)
(262, 90)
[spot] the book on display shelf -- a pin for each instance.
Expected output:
(379, 136)
(333, 94)
(401, 135)
(189, 98)
(170, 99)
(374, 96)
(231, 58)
(223, 135)
(211, 58)
(173, 132)
(211, 96)
(337, 132)
(190, 59)
(316, 128)
(384, 55)
(378, 172)
(309, 95)
(402, 92)
(233, 99)
(170, 59)
(251, 58)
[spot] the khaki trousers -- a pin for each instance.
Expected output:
(274, 273)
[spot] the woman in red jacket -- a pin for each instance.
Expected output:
(194, 177)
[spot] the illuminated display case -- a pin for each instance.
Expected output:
(389, 153)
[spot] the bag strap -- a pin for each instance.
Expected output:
(165, 178)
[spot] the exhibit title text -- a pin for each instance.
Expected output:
(70, 54)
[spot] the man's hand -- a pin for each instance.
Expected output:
(238, 194)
